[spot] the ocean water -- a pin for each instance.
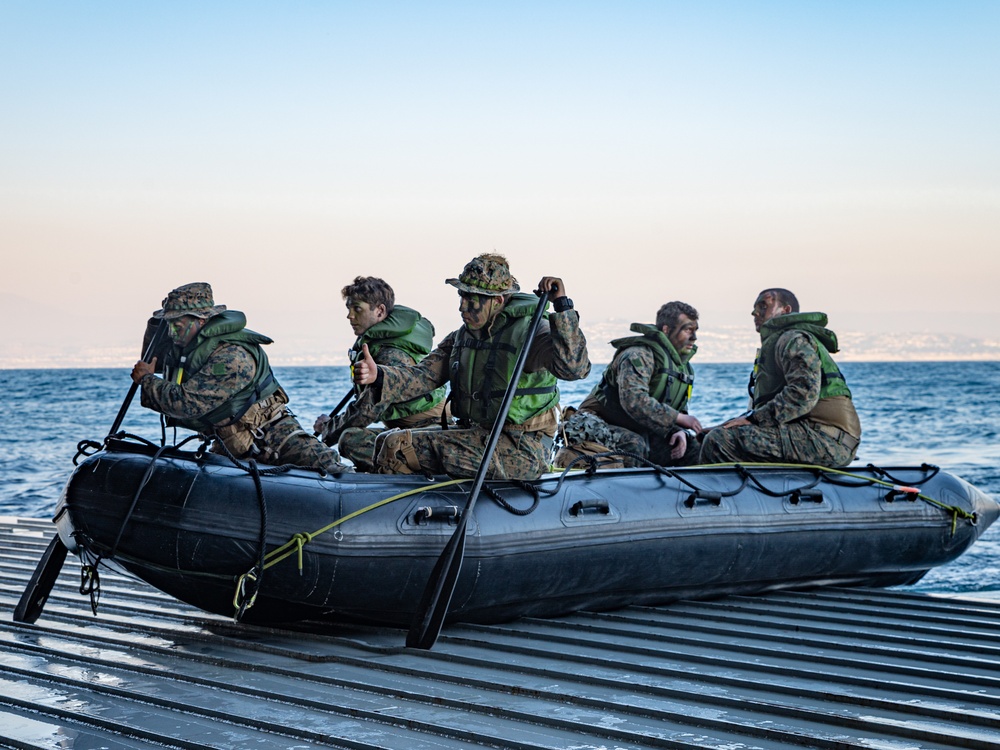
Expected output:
(941, 413)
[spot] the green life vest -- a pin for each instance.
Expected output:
(404, 329)
(768, 379)
(482, 367)
(671, 384)
(227, 328)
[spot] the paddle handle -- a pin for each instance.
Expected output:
(146, 356)
(338, 407)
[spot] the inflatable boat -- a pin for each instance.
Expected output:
(286, 544)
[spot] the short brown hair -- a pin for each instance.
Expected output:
(784, 296)
(668, 314)
(371, 289)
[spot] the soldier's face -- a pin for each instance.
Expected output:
(766, 307)
(478, 309)
(362, 316)
(182, 330)
(684, 334)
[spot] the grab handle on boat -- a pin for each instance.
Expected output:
(598, 504)
(899, 491)
(715, 498)
(425, 513)
(809, 496)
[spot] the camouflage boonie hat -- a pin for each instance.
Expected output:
(191, 299)
(487, 274)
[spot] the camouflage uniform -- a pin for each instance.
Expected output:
(521, 452)
(356, 440)
(634, 367)
(781, 431)
(559, 350)
(267, 430)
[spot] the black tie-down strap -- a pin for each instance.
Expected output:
(526, 486)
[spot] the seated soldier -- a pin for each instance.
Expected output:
(802, 408)
(477, 361)
(639, 408)
(397, 336)
(217, 381)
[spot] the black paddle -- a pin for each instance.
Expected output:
(338, 407)
(441, 586)
(153, 344)
(36, 593)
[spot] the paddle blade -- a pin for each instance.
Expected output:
(437, 594)
(36, 593)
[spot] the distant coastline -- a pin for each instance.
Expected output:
(721, 345)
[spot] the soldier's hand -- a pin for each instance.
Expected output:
(141, 369)
(364, 370)
(318, 425)
(678, 444)
(738, 422)
(689, 423)
(554, 286)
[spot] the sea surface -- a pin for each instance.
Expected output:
(941, 413)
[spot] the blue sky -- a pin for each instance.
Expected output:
(642, 151)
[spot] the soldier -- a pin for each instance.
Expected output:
(802, 410)
(217, 381)
(396, 336)
(478, 360)
(640, 405)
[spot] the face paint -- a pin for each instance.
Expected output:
(477, 309)
(181, 330)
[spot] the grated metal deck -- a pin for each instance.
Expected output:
(834, 668)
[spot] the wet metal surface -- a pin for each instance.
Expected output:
(835, 668)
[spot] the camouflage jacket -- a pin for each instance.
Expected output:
(634, 368)
(799, 361)
(226, 372)
(363, 411)
(559, 347)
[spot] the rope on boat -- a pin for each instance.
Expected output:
(248, 584)
(298, 541)
(896, 488)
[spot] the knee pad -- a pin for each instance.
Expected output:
(394, 453)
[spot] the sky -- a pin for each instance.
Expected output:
(641, 151)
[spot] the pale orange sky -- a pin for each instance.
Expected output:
(642, 151)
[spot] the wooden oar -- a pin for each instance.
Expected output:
(441, 586)
(36, 593)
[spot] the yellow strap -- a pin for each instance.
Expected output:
(298, 541)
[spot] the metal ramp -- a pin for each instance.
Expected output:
(834, 668)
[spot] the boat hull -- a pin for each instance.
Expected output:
(601, 541)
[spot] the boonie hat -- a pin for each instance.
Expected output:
(486, 274)
(191, 299)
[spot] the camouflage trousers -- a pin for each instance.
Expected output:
(585, 426)
(285, 442)
(358, 443)
(794, 443)
(458, 452)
